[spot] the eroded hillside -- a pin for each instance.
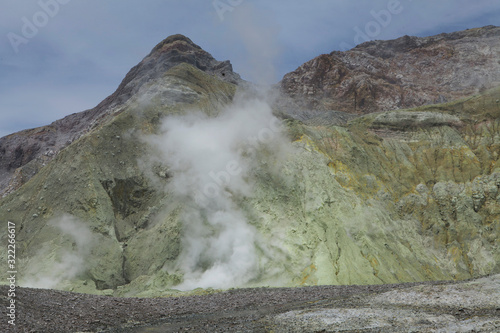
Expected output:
(401, 73)
(395, 196)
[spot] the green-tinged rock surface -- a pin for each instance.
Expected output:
(99, 181)
(397, 196)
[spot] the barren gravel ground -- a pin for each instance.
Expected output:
(472, 306)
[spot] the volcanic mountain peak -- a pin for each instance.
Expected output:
(34, 148)
(165, 193)
(175, 41)
(172, 51)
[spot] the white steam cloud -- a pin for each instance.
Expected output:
(67, 263)
(211, 162)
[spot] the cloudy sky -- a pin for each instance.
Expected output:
(59, 57)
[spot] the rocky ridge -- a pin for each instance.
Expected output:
(401, 73)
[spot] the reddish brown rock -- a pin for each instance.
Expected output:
(401, 73)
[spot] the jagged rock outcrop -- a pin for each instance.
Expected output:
(24, 153)
(401, 73)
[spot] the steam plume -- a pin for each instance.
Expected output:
(211, 161)
(68, 263)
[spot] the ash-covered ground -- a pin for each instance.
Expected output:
(470, 306)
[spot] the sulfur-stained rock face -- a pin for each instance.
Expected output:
(400, 195)
(406, 72)
(395, 196)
